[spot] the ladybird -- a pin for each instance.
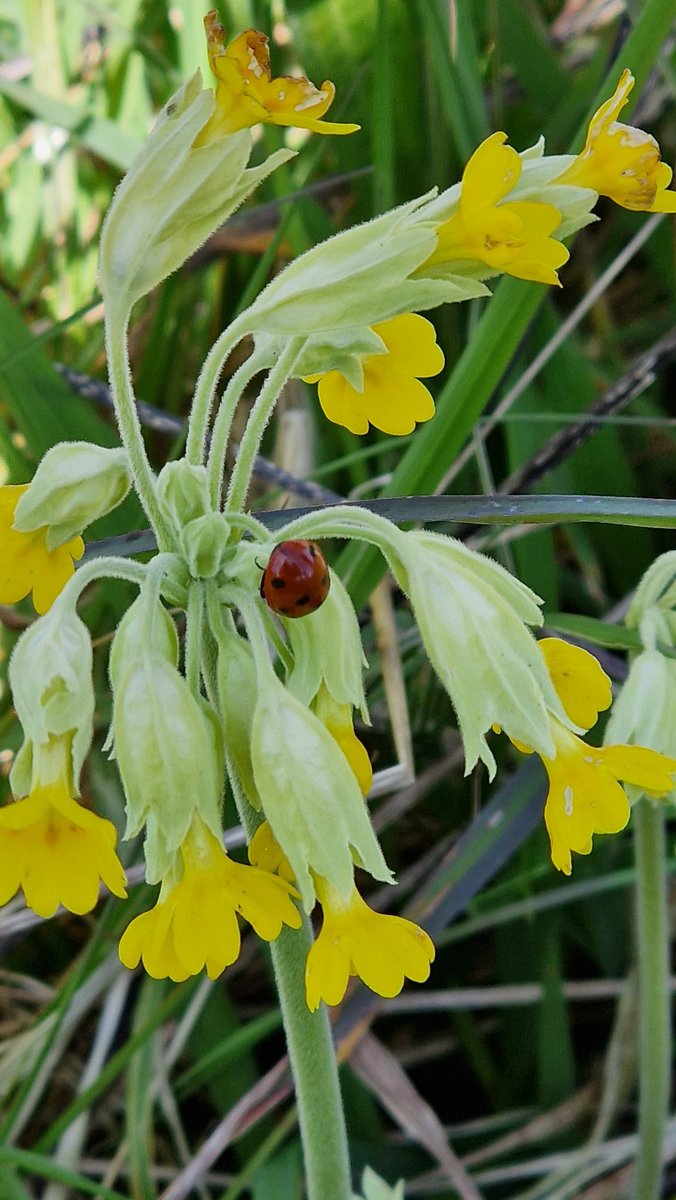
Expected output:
(296, 580)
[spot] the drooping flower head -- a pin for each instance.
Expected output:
(382, 949)
(391, 397)
(50, 846)
(585, 796)
(620, 161)
(194, 923)
(512, 236)
(246, 93)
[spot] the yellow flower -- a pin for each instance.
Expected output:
(620, 161)
(585, 796)
(381, 949)
(194, 923)
(265, 852)
(246, 94)
(29, 564)
(53, 848)
(392, 397)
(511, 237)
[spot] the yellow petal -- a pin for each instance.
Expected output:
(580, 681)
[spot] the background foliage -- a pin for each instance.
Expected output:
(518, 1054)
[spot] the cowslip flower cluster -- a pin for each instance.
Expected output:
(261, 699)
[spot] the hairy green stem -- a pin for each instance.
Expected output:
(652, 935)
(193, 637)
(308, 1035)
(223, 425)
(128, 420)
(258, 419)
(205, 390)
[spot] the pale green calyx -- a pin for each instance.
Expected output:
(204, 545)
(357, 278)
(50, 674)
(657, 590)
(375, 1188)
(75, 484)
(473, 617)
(331, 350)
(238, 694)
(146, 625)
(182, 492)
(174, 196)
(327, 650)
(644, 713)
(310, 795)
(167, 746)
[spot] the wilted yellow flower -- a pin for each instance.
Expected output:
(620, 161)
(194, 923)
(392, 397)
(511, 237)
(53, 848)
(383, 950)
(246, 93)
(29, 563)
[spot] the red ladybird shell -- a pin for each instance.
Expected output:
(296, 580)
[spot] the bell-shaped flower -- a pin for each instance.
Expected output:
(507, 235)
(585, 796)
(167, 741)
(620, 161)
(50, 674)
(390, 396)
(29, 563)
(246, 93)
(381, 949)
(185, 181)
(74, 485)
(309, 794)
(473, 617)
(53, 848)
(194, 922)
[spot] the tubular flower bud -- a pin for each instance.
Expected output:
(246, 93)
(620, 161)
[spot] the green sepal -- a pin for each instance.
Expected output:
(174, 196)
(310, 795)
(145, 625)
(473, 617)
(74, 485)
(169, 758)
(183, 492)
(238, 693)
(204, 545)
(375, 1188)
(327, 649)
(50, 674)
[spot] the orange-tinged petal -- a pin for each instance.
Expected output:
(620, 161)
(580, 681)
(246, 94)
